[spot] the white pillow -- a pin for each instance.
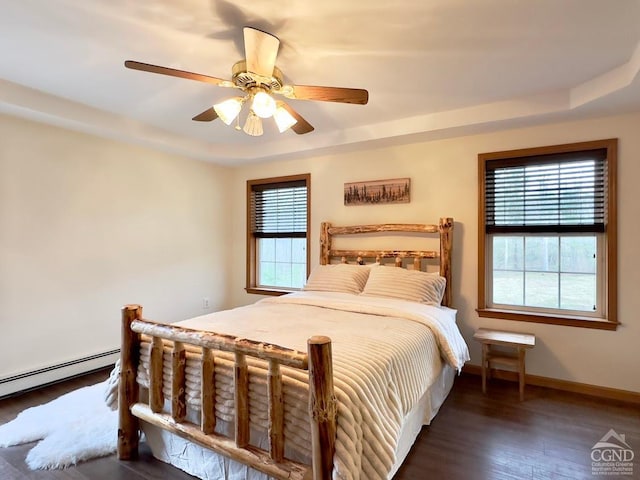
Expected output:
(413, 285)
(340, 277)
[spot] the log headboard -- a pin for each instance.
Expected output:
(444, 229)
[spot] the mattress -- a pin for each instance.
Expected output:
(392, 360)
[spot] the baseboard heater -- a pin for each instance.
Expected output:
(54, 373)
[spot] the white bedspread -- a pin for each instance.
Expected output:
(386, 354)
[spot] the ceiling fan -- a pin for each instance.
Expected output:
(259, 79)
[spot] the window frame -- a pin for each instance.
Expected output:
(252, 243)
(608, 275)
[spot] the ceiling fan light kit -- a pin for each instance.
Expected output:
(253, 125)
(263, 104)
(259, 79)
(229, 109)
(284, 120)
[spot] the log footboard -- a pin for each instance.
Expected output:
(322, 402)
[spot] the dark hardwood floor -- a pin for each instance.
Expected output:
(547, 436)
(474, 437)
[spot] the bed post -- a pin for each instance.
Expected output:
(323, 407)
(446, 244)
(127, 387)
(325, 243)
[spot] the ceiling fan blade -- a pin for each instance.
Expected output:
(172, 72)
(260, 51)
(302, 126)
(328, 94)
(207, 116)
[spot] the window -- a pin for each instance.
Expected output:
(277, 234)
(547, 235)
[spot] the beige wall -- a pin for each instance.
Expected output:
(444, 183)
(87, 225)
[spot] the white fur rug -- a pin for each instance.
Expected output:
(74, 427)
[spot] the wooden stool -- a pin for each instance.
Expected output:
(519, 341)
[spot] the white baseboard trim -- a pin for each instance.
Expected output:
(55, 373)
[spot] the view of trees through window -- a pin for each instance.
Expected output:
(283, 262)
(550, 271)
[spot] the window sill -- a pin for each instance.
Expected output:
(569, 321)
(268, 291)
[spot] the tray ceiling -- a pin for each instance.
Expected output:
(433, 68)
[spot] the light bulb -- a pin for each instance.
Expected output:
(253, 125)
(263, 104)
(229, 109)
(283, 118)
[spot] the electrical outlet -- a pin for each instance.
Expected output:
(205, 303)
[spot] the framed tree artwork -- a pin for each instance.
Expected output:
(374, 192)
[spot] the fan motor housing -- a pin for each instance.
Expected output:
(244, 79)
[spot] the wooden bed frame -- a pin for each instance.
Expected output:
(317, 361)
